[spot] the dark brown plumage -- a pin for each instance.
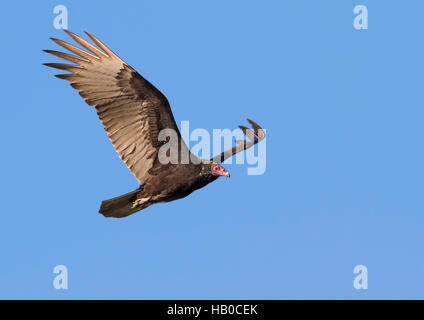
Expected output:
(133, 112)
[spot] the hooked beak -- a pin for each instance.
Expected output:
(227, 174)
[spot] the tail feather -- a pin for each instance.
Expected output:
(121, 206)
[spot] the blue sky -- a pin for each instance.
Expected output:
(343, 186)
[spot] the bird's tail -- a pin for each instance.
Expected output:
(121, 206)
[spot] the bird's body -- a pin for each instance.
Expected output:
(162, 187)
(175, 182)
(134, 114)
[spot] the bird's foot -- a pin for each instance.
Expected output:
(139, 202)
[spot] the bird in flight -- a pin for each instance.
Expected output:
(133, 113)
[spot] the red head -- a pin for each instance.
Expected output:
(218, 170)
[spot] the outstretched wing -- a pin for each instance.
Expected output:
(253, 138)
(132, 110)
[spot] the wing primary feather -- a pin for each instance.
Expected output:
(67, 76)
(258, 129)
(62, 66)
(102, 45)
(75, 49)
(86, 44)
(249, 133)
(67, 56)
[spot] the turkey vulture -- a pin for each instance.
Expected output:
(133, 113)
